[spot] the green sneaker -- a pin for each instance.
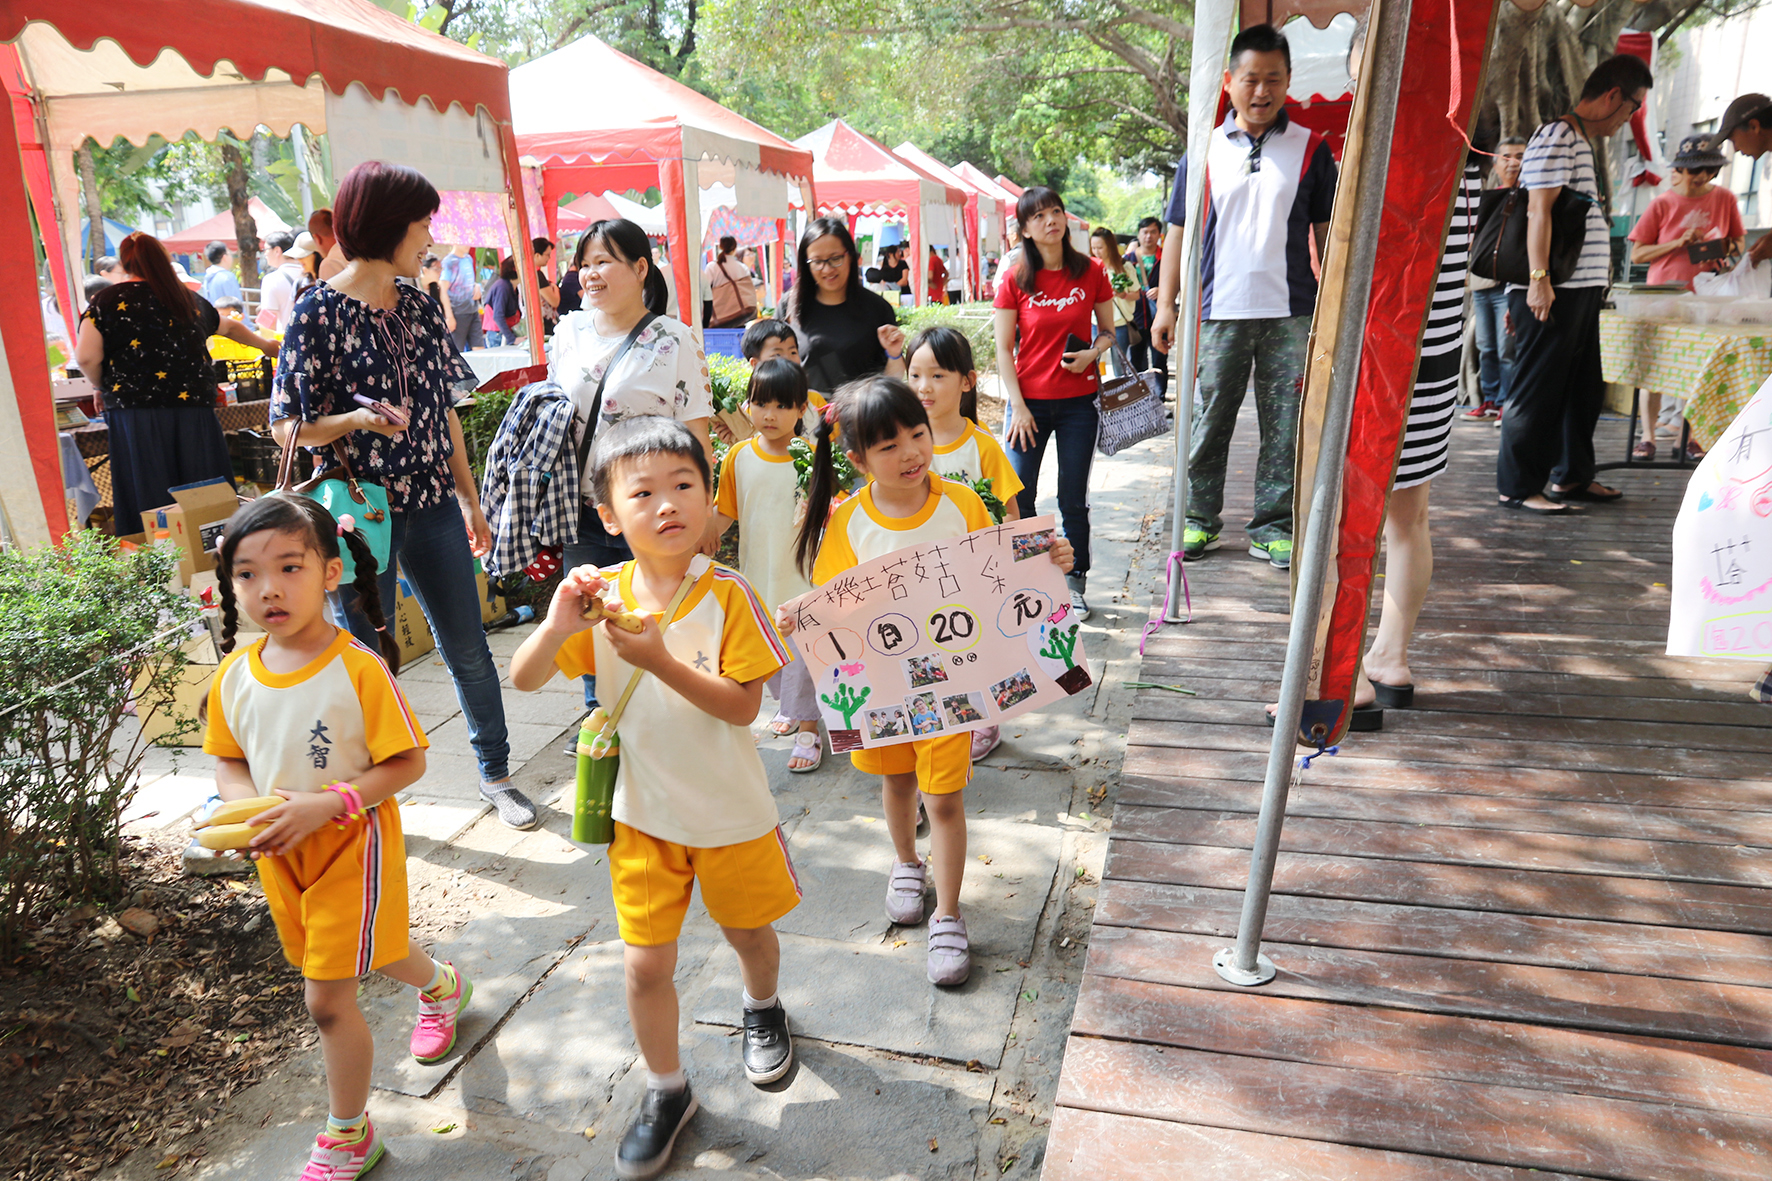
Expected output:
(1277, 552)
(1195, 543)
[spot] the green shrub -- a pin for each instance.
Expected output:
(84, 628)
(729, 379)
(480, 423)
(974, 319)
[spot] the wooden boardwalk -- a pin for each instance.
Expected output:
(1524, 928)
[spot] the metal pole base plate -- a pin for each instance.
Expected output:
(1225, 963)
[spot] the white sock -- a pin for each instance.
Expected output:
(672, 1082)
(751, 1002)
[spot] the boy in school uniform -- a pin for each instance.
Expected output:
(692, 800)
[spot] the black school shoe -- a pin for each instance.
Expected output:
(646, 1148)
(768, 1048)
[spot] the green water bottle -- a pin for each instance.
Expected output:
(599, 758)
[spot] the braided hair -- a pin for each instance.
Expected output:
(302, 516)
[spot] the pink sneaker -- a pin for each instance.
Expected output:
(985, 740)
(434, 1035)
(338, 1160)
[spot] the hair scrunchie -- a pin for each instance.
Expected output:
(346, 524)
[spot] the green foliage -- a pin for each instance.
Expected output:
(801, 450)
(729, 380)
(973, 319)
(986, 493)
(84, 628)
(846, 701)
(137, 181)
(480, 424)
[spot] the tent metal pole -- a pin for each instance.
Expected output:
(1244, 964)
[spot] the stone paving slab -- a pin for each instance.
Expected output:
(528, 739)
(880, 997)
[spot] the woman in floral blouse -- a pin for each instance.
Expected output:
(663, 372)
(363, 332)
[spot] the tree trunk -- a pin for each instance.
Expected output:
(95, 211)
(245, 229)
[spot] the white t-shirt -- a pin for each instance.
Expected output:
(276, 297)
(1558, 157)
(758, 491)
(686, 776)
(664, 373)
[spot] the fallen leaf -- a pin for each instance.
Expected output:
(933, 1147)
(169, 1162)
(241, 1037)
(899, 942)
(1008, 1163)
(443, 1129)
(985, 857)
(999, 1120)
(135, 998)
(591, 1133)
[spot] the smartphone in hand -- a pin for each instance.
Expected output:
(1073, 344)
(382, 408)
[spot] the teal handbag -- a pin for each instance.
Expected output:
(340, 492)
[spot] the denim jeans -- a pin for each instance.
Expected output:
(496, 339)
(1076, 422)
(1495, 348)
(433, 553)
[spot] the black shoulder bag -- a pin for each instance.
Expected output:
(1499, 251)
(584, 444)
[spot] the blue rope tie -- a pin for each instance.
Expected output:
(1304, 763)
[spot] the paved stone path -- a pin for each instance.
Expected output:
(894, 1079)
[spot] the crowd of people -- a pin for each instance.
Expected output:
(369, 320)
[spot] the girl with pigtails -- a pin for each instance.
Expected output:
(311, 716)
(886, 432)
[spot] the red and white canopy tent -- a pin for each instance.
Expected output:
(220, 228)
(379, 86)
(975, 176)
(983, 216)
(1079, 227)
(858, 175)
(597, 121)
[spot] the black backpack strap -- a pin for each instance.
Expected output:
(584, 444)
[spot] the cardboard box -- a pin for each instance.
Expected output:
(411, 630)
(492, 604)
(161, 716)
(195, 521)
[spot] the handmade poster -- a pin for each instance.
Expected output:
(943, 637)
(1722, 582)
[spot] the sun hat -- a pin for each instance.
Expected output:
(1695, 153)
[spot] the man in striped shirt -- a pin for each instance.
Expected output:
(1548, 430)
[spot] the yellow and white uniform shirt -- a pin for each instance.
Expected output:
(977, 456)
(331, 720)
(859, 531)
(686, 776)
(758, 490)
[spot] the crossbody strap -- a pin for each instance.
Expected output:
(698, 566)
(584, 444)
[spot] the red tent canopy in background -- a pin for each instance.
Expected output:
(165, 67)
(576, 216)
(857, 175)
(983, 217)
(644, 129)
(220, 228)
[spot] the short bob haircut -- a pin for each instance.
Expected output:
(636, 438)
(376, 204)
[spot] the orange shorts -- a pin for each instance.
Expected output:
(744, 886)
(339, 900)
(943, 765)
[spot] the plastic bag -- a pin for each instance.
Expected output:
(1746, 281)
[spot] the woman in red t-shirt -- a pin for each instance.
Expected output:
(1053, 292)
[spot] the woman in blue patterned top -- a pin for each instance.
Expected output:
(363, 332)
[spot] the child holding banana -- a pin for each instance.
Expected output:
(312, 738)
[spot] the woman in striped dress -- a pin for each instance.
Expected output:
(1385, 679)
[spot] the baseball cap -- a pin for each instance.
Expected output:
(1748, 106)
(304, 246)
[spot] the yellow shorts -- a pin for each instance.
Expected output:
(744, 886)
(943, 765)
(339, 900)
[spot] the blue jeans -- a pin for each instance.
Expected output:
(1076, 422)
(1495, 348)
(433, 553)
(496, 339)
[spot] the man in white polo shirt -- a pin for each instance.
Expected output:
(1270, 185)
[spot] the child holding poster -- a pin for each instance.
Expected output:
(759, 489)
(904, 503)
(692, 800)
(945, 380)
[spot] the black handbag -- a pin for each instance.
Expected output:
(1499, 250)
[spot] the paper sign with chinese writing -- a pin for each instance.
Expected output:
(942, 637)
(1722, 587)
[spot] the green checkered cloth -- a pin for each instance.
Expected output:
(1716, 368)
